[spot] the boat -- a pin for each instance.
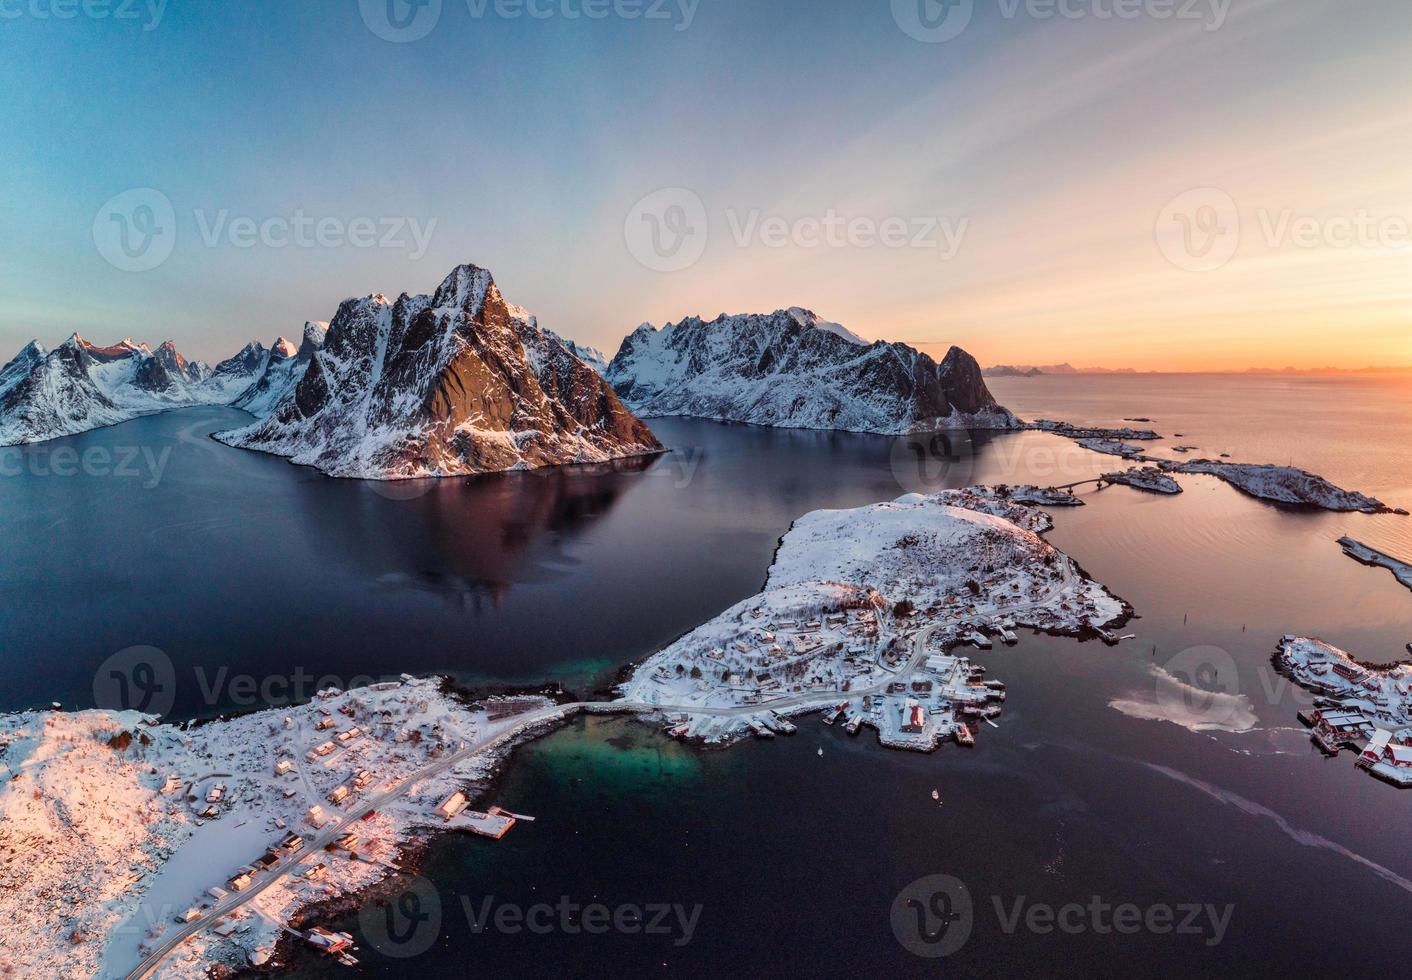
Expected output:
(936, 795)
(821, 750)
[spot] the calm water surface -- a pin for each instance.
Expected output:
(239, 561)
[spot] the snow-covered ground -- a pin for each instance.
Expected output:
(860, 614)
(1366, 706)
(1148, 478)
(1112, 447)
(1070, 431)
(1359, 551)
(138, 822)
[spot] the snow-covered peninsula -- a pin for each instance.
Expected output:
(159, 839)
(860, 615)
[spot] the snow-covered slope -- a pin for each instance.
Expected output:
(458, 382)
(284, 366)
(80, 386)
(591, 356)
(792, 369)
(235, 374)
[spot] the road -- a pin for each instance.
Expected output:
(339, 828)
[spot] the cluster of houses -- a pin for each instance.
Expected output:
(1367, 709)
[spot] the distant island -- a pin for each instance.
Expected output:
(1035, 370)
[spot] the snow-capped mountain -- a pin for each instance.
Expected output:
(284, 365)
(792, 369)
(80, 386)
(235, 374)
(454, 383)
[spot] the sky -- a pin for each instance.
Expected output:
(1157, 184)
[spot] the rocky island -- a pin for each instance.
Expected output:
(860, 616)
(793, 369)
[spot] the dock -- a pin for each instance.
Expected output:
(494, 823)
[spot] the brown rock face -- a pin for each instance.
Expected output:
(455, 383)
